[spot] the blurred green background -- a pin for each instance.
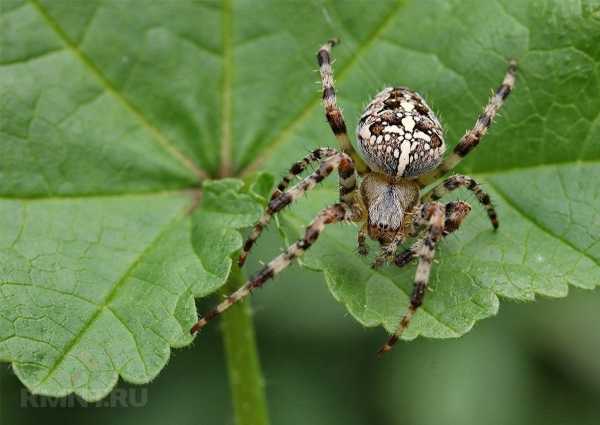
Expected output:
(532, 364)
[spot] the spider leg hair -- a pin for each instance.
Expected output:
(332, 111)
(299, 166)
(333, 214)
(340, 161)
(433, 215)
(472, 138)
(361, 239)
(386, 252)
(456, 212)
(458, 181)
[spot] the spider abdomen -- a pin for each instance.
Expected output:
(399, 135)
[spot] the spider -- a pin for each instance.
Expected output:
(400, 151)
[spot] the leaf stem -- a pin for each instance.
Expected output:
(245, 375)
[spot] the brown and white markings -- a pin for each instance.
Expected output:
(400, 151)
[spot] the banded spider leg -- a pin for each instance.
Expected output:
(345, 210)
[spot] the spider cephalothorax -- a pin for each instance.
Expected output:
(400, 151)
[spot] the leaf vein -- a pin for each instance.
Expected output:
(539, 225)
(305, 112)
(226, 107)
(157, 134)
(107, 300)
(133, 336)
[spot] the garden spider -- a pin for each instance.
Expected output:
(401, 146)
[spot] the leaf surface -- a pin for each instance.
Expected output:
(113, 117)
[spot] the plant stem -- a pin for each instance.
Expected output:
(245, 375)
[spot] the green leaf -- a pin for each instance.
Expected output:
(112, 115)
(222, 211)
(99, 192)
(540, 162)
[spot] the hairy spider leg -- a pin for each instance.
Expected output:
(456, 182)
(340, 161)
(471, 139)
(387, 252)
(299, 166)
(332, 111)
(433, 215)
(361, 238)
(333, 214)
(456, 212)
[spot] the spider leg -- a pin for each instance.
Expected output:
(456, 212)
(333, 214)
(340, 161)
(433, 215)
(363, 250)
(458, 181)
(299, 166)
(386, 252)
(471, 139)
(332, 111)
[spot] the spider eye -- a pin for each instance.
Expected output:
(399, 134)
